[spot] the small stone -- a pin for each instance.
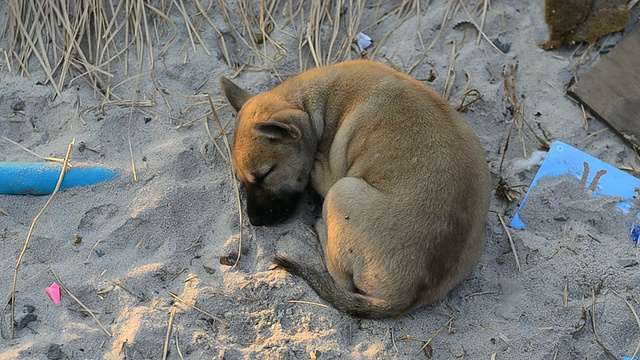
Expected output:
(229, 260)
(54, 352)
(25, 320)
(18, 106)
(628, 263)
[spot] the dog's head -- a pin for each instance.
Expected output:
(270, 155)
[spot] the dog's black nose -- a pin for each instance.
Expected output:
(266, 217)
(266, 208)
(256, 220)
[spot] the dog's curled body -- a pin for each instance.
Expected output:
(405, 183)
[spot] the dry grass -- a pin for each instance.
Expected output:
(89, 39)
(518, 122)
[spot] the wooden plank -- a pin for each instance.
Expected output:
(611, 89)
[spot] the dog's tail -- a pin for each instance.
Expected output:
(354, 304)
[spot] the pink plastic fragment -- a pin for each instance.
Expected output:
(54, 292)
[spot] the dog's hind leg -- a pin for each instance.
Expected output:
(361, 244)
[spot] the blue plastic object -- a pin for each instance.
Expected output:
(40, 178)
(565, 159)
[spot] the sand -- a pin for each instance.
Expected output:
(166, 231)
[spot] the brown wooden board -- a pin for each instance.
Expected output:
(611, 89)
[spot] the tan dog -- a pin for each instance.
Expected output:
(405, 183)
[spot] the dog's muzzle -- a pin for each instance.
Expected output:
(267, 208)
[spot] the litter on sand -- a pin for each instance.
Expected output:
(40, 178)
(363, 41)
(535, 159)
(54, 292)
(593, 177)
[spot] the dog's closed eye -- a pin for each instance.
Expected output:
(258, 178)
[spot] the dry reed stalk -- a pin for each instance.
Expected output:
(256, 30)
(81, 39)
(606, 350)
(46, 158)
(307, 303)
(481, 32)
(427, 342)
(353, 18)
(480, 293)
(484, 16)
(223, 45)
(451, 73)
(212, 317)
(165, 349)
(223, 135)
(26, 243)
(329, 31)
(511, 243)
(635, 315)
(213, 140)
(95, 318)
(518, 119)
(403, 15)
(178, 347)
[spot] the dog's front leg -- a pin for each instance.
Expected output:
(321, 240)
(321, 175)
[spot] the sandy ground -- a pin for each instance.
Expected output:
(166, 231)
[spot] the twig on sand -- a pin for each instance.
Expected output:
(80, 303)
(480, 293)
(481, 32)
(214, 113)
(91, 251)
(213, 140)
(26, 243)
(451, 73)
(484, 17)
(165, 350)
(428, 341)
(213, 317)
(474, 94)
(307, 302)
(513, 246)
(178, 347)
(46, 158)
(635, 315)
(510, 92)
(504, 190)
(593, 325)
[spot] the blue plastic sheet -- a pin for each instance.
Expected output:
(564, 159)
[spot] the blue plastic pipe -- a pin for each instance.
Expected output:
(40, 178)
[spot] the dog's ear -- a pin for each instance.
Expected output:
(236, 95)
(278, 131)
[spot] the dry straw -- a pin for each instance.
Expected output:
(86, 39)
(26, 242)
